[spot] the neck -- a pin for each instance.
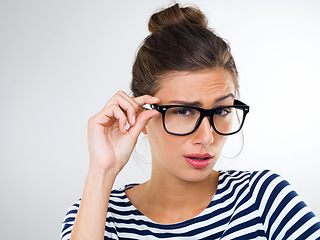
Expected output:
(177, 199)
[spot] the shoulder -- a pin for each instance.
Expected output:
(276, 205)
(259, 187)
(267, 186)
(69, 219)
(119, 204)
(119, 194)
(258, 184)
(253, 179)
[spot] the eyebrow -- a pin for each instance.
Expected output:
(186, 103)
(224, 97)
(199, 104)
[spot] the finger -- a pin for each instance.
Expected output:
(120, 116)
(129, 99)
(127, 104)
(142, 121)
(129, 107)
(146, 99)
(107, 117)
(134, 111)
(114, 99)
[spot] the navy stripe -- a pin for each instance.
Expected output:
(315, 227)
(110, 230)
(192, 232)
(243, 225)
(65, 234)
(124, 212)
(285, 201)
(298, 224)
(230, 195)
(263, 188)
(119, 204)
(271, 199)
(257, 179)
(287, 218)
(252, 235)
(69, 219)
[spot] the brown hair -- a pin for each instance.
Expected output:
(179, 41)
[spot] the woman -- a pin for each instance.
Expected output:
(185, 91)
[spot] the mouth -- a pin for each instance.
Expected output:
(198, 160)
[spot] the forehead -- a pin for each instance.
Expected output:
(204, 86)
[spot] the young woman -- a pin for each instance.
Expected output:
(185, 91)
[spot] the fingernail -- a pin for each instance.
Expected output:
(133, 119)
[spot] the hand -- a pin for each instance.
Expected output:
(110, 143)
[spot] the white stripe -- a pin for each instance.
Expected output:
(303, 227)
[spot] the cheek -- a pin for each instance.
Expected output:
(154, 127)
(161, 142)
(164, 145)
(155, 133)
(219, 141)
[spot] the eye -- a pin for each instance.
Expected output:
(183, 111)
(223, 112)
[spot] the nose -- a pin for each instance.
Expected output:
(204, 134)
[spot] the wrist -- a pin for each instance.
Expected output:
(101, 173)
(98, 183)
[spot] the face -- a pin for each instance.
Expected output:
(175, 156)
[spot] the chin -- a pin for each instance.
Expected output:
(197, 175)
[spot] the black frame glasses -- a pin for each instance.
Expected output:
(203, 113)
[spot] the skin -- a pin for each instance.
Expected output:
(176, 191)
(168, 197)
(110, 146)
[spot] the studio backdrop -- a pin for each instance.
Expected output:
(60, 62)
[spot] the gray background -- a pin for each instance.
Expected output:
(60, 61)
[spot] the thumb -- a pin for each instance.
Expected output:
(142, 121)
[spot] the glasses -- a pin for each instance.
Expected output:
(182, 120)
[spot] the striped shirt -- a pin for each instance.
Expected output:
(246, 205)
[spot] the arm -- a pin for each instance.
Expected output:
(91, 217)
(282, 211)
(110, 146)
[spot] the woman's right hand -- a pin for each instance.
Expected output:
(110, 143)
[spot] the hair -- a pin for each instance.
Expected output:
(180, 40)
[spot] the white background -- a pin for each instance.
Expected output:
(60, 61)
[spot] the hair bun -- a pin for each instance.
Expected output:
(176, 15)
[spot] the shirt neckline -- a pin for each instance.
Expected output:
(178, 224)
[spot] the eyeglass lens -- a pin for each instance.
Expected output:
(183, 120)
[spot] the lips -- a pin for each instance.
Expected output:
(198, 160)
